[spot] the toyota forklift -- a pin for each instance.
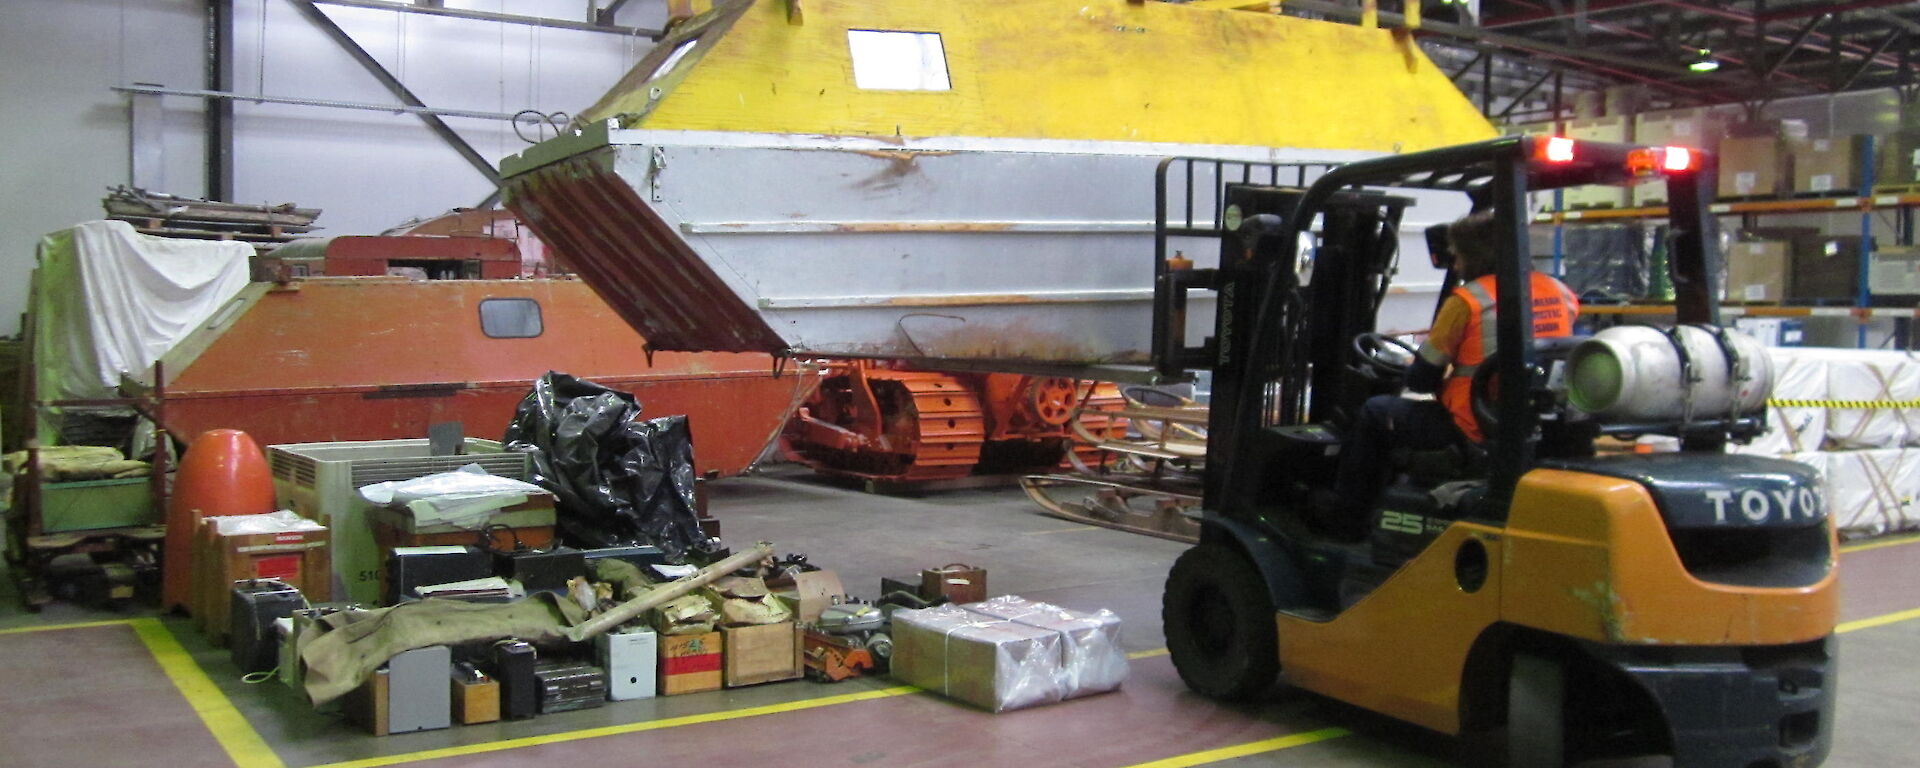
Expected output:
(1564, 602)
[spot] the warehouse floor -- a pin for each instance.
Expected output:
(96, 688)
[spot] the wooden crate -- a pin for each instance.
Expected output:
(762, 653)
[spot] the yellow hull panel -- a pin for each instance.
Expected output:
(1101, 70)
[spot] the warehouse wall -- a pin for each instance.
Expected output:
(67, 132)
(372, 170)
(367, 170)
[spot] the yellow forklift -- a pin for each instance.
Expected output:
(1586, 604)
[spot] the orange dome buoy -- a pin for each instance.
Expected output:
(222, 473)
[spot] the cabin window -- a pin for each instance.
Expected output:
(673, 60)
(510, 318)
(898, 61)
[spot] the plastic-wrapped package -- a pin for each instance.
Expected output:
(283, 521)
(1091, 661)
(465, 497)
(1606, 261)
(1797, 376)
(994, 664)
(620, 480)
(1872, 492)
(1866, 376)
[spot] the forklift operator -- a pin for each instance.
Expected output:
(1463, 336)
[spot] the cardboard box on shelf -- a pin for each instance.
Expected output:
(1613, 130)
(1774, 331)
(762, 653)
(1824, 268)
(1899, 154)
(1894, 272)
(1754, 165)
(1694, 128)
(690, 663)
(1757, 271)
(1828, 166)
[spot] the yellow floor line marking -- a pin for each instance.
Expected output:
(1147, 654)
(228, 726)
(1243, 750)
(614, 730)
(57, 627)
(1063, 530)
(1878, 621)
(1894, 542)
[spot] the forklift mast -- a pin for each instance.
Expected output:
(1303, 269)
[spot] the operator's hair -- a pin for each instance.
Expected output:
(1473, 238)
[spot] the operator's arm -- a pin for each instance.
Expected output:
(1429, 367)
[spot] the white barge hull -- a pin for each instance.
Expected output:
(1003, 253)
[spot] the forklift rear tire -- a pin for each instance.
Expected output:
(1220, 624)
(1536, 713)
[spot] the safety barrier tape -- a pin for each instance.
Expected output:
(1846, 404)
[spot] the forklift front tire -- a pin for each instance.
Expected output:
(1220, 624)
(1536, 713)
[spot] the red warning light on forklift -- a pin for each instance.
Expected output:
(1558, 149)
(1677, 159)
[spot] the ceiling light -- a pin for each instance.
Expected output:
(1704, 65)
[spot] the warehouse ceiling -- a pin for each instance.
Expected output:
(1510, 55)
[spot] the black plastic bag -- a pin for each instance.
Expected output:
(620, 480)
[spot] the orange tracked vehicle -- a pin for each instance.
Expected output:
(882, 422)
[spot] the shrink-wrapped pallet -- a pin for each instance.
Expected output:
(1862, 384)
(1797, 377)
(1091, 662)
(989, 662)
(1873, 492)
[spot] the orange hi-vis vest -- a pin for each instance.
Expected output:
(1554, 309)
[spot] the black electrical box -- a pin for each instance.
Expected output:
(256, 603)
(413, 567)
(513, 663)
(541, 570)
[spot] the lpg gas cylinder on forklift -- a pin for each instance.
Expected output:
(1586, 604)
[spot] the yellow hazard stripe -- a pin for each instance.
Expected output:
(1846, 404)
(1877, 621)
(228, 726)
(57, 627)
(1247, 749)
(613, 730)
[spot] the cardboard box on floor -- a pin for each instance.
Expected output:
(809, 593)
(994, 664)
(762, 653)
(690, 663)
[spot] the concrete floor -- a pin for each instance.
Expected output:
(124, 693)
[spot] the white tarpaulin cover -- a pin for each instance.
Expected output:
(1869, 381)
(1873, 492)
(109, 301)
(1796, 376)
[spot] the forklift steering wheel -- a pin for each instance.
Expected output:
(1384, 356)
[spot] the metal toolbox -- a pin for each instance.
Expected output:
(319, 480)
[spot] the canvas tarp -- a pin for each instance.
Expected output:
(108, 301)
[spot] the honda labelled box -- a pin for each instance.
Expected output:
(690, 663)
